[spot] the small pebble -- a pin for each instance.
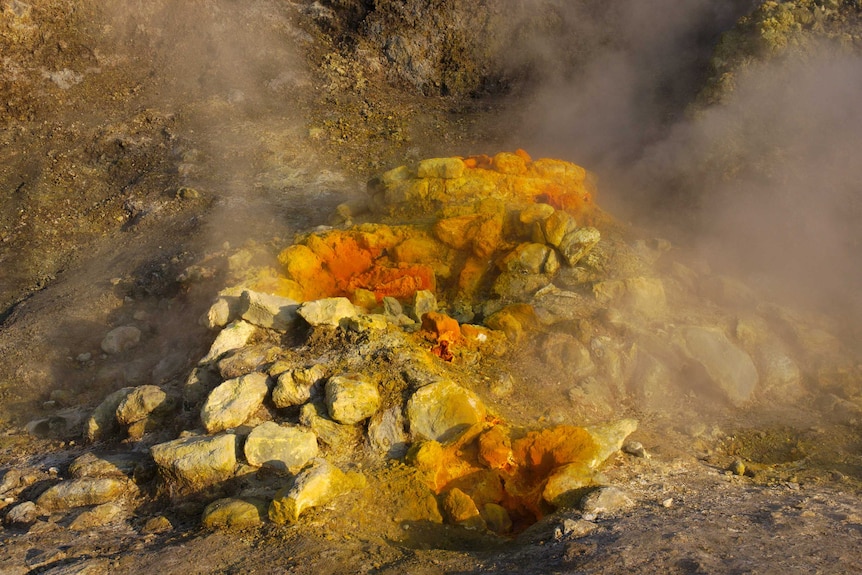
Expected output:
(737, 467)
(667, 503)
(635, 448)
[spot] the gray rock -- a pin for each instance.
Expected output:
(85, 491)
(23, 514)
(442, 411)
(578, 243)
(218, 315)
(141, 402)
(195, 462)
(606, 501)
(103, 422)
(350, 399)
(329, 311)
(64, 424)
(280, 447)
(234, 336)
(728, 369)
(232, 402)
(392, 307)
(295, 386)
(386, 433)
(121, 339)
(269, 311)
(423, 302)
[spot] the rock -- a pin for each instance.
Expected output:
(158, 524)
(234, 336)
(99, 516)
(513, 320)
(496, 518)
(447, 168)
(268, 311)
(143, 401)
(195, 462)
(442, 411)
(737, 467)
(606, 501)
(169, 367)
(232, 513)
(329, 311)
(280, 447)
(294, 387)
(461, 510)
(512, 286)
(530, 258)
(121, 339)
(199, 383)
(566, 484)
(218, 315)
(332, 433)
(316, 485)
(87, 491)
(609, 438)
(645, 296)
(232, 402)
(556, 227)
(636, 449)
(386, 433)
(567, 355)
(103, 422)
(245, 360)
(23, 514)
(728, 369)
(121, 464)
(423, 302)
(350, 399)
(575, 528)
(535, 213)
(577, 244)
(65, 424)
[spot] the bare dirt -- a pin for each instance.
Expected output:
(137, 144)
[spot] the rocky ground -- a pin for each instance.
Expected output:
(155, 157)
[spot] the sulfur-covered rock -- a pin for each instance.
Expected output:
(143, 401)
(529, 258)
(236, 335)
(728, 369)
(442, 411)
(87, 491)
(350, 399)
(566, 484)
(513, 320)
(609, 438)
(120, 464)
(294, 386)
(232, 402)
(447, 168)
(535, 213)
(577, 244)
(460, 509)
(329, 311)
(315, 416)
(496, 518)
(103, 422)
(269, 311)
(121, 339)
(284, 448)
(192, 463)
(315, 485)
(234, 513)
(556, 226)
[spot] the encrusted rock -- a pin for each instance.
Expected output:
(329, 311)
(121, 339)
(103, 422)
(195, 462)
(314, 415)
(447, 168)
(285, 448)
(350, 399)
(442, 411)
(386, 433)
(316, 485)
(269, 311)
(233, 513)
(86, 491)
(234, 336)
(530, 258)
(461, 510)
(294, 386)
(141, 402)
(577, 244)
(232, 402)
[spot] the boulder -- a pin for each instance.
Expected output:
(285, 448)
(233, 513)
(103, 422)
(232, 402)
(268, 311)
(328, 311)
(316, 485)
(141, 402)
(86, 491)
(442, 411)
(234, 336)
(578, 243)
(294, 386)
(728, 369)
(195, 462)
(121, 339)
(350, 399)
